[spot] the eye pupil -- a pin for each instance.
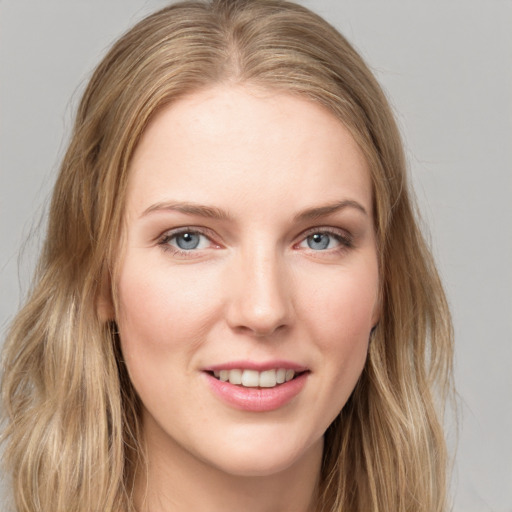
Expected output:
(187, 241)
(318, 241)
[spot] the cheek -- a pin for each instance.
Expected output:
(163, 299)
(340, 314)
(343, 304)
(162, 313)
(162, 319)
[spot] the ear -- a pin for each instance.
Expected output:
(105, 303)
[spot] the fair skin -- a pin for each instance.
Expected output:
(249, 249)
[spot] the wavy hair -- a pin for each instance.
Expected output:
(71, 416)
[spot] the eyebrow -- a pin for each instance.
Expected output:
(213, 212)
(324, 211)
(190, 209)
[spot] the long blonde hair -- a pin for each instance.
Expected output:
(70, 412)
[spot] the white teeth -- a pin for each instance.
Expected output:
(268, 379)
(250, 379)
(254, 379)
(235, 376)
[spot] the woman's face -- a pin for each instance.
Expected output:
(250, 259)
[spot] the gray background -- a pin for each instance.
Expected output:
(447, 67)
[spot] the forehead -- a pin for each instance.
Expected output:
(245, 141)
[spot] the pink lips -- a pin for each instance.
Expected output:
(257, 399)
(260, 367)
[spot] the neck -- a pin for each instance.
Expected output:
(175, 481)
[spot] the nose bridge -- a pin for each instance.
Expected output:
(261, 302)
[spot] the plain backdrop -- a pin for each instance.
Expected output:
(447, 68)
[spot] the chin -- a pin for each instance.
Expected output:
(255, 469)
(255, 460)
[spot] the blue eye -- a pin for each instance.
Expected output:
(187, 241)
(319, 241)
(326, 240)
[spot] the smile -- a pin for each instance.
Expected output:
(255, 379)
(253, 396)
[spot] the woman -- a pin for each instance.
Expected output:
(234, 306)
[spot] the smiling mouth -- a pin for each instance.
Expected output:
(256, 379)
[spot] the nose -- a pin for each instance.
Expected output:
(260, 296)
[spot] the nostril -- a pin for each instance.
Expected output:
(260, 331)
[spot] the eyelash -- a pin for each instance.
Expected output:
(344, 238)
(164, 240)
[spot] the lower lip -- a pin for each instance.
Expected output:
(257, 399)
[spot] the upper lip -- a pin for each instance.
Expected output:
(258, 366)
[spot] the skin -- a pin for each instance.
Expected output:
(252, 290)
